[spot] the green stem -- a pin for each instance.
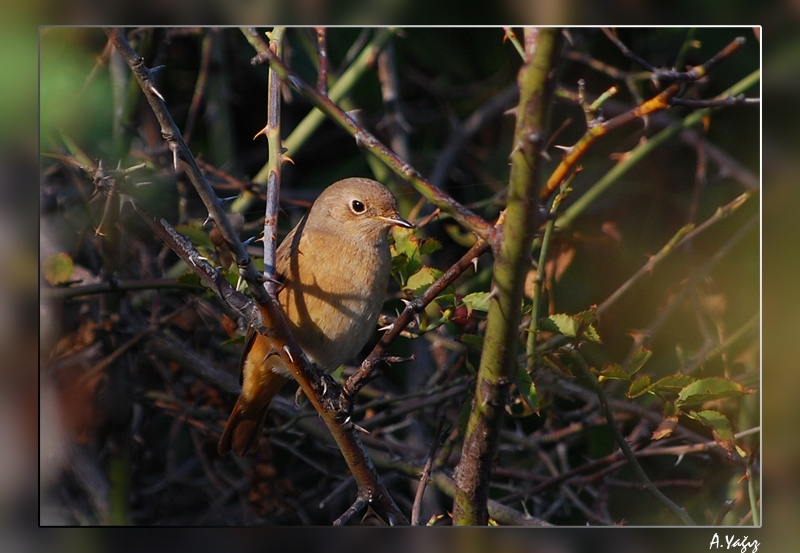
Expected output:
(512, 249)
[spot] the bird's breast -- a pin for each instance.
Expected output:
(332, 297)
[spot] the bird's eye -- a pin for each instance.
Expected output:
(357, 206)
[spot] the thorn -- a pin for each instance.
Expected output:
(239, 283)
(157, 93)
(475, 264)
(386, 327)
(259, 133)
(208, 220)
(285, 158)
(227, 200)
(174, 148)
(295, 82)
(288, 353)
(566, 149)
(249, 241)
(405, 302)
(360, 429)
(680, 458)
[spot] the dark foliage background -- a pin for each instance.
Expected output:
(19, 164)
(136, 419)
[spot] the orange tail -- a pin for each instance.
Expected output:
(243, 429)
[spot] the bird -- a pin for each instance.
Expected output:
(334, 269)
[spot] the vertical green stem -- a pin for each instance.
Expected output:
(512, 260)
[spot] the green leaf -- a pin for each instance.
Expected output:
(560, 323)
(57, 268)
(422, 279)
(613, 372)
(707, 389)
(527, 389)
(673, 383)
(639, 387)
(639, 358)
(429, 245)
(720, 428)
(571, 325)
(478, 301)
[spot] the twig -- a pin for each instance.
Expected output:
(375, 147)
(426, 473)
(357, 379)
(585, 373)
(322, 63)
(77, 291)
(200, 84)
(493, 107)
(359, 504)
(685, 235)
(273, 132)
(639, 152)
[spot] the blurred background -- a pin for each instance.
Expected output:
(19, 164)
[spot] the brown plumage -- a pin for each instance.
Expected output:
(334, 267)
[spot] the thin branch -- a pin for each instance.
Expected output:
(684, 236)
(375, 147)
(322, 56)
(360, 377)
(426, 473)
(585, 373)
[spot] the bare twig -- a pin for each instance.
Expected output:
(426, 473)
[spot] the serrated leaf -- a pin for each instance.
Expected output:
(665, 428)
(673, 383)
(419, 281)
(707, 389)
(720, 428)
(613, 372)
(560, 323)
(57, 268)
(478, 301)
(569, 325)
(638, 359)
(429, 245)
(639, 387)
(587, 316)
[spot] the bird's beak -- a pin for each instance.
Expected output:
(396, 220)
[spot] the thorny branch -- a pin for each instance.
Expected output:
(370, 486)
